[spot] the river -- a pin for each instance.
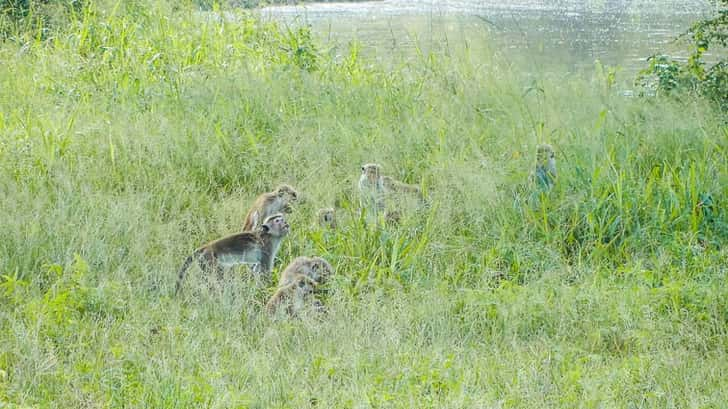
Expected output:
(570, 33)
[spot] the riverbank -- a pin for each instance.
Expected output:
(265, 3)
(555, 36)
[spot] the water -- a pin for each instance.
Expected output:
(541, 33)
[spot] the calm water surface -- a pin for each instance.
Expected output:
(574, 33)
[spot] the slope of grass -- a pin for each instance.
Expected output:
(139, 131)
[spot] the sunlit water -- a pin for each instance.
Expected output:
(570, 33)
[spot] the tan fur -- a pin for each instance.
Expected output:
(545, 172)
(394, 185)
(393, 217)
(375, 189)
(327, 218)
(292, 295)
(277, 201)
(371, 176)
(371, 189)
(315, 268)
(258, 247)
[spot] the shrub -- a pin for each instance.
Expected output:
(666, 75)
(35, 17)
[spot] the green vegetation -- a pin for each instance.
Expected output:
(134, 132)
(263, 3)
(38, 17)
(669, 76)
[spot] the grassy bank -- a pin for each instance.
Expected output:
(137, 132)
(264, 3)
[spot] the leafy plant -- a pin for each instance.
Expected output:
(667, 75)
(36, 17)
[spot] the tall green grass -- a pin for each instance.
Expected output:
(138, 131)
